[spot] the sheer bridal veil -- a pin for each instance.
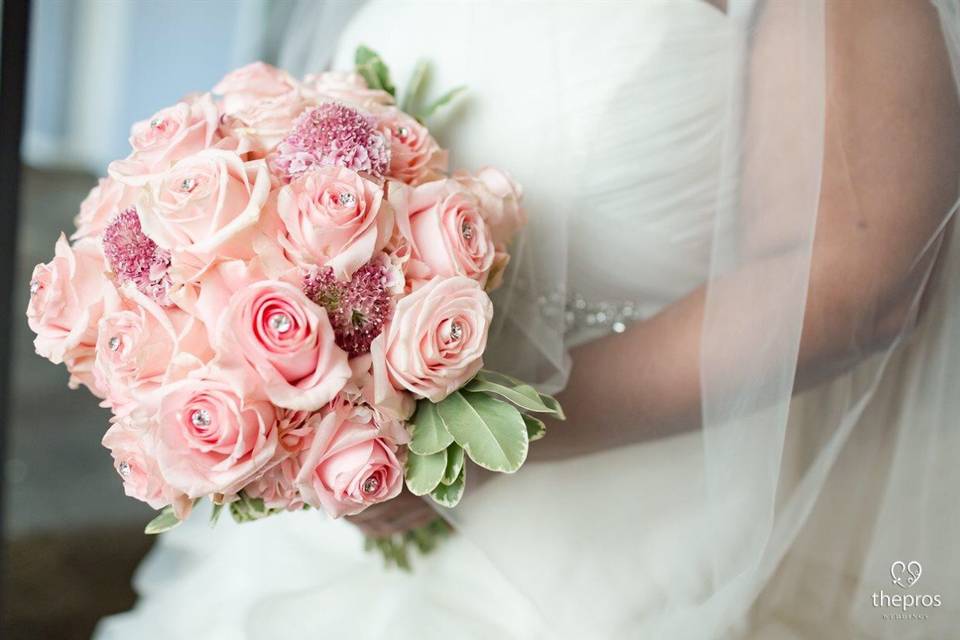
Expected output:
(797, 506)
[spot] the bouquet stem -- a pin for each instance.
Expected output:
(395, 549)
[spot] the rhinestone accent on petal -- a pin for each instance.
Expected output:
(34, 287)
(280, 322)
(402, 132)
(371, 484)
(346, 199)
(156, 122)
(124, 468)
(200, 418)
(114, 343)
(467, 231)
(188, 184)
(456, 331)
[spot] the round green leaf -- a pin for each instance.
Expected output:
(535, 428)
(449, 495)
(423, 473)
(491, 431)
(454, 464)
(429, 434)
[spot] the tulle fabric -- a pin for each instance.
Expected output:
(780, 515)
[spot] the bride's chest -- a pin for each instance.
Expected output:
(609, 114)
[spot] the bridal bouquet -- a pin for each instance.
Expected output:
(281, 295)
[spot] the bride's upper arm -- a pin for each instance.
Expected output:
(891, 170)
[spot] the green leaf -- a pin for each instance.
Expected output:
(215, 514)
(395, 548)
(429, 434)
(394, 552)
(421, 538)
(518, 392)
(254, 506)
(164, 522)
(535, 428)
(443, 100)
(373, 69)
(554, 406)
(491, 431)
(247, 509)
(364, 54)
(363, 59)
(454, 464)
(448, 495)
(411, 94)
(423, 473)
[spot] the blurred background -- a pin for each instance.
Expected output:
(94, 68)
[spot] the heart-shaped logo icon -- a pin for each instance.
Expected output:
(905, 574)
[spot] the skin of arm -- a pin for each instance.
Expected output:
(891, 168)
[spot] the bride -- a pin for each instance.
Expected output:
(739, 270)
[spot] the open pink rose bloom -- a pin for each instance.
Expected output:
(281, 294)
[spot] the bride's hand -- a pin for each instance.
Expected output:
(403, 513)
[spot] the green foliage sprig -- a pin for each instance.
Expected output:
(375, 72)
(488, 421)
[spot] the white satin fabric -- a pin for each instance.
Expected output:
(624, 123)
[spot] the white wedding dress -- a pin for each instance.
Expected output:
(625, 145)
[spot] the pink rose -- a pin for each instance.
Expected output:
(251, 84)
(392, 407)
(332, 216)
(260, 103)
(142, 346)
(435, 342)
(131, 448)
(447, 233)
(208, 296)
(277, 486)
(349, 466)
(68, 296)
(499, 198)
(212, 438)
(169, 135)
(346, 87)
(273, 329)
(204, 208)
(100, 207)
(262, 125)
(415, 157)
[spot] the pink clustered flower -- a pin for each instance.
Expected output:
(358, 309)
(334, 134)
(321, 286)
(135, 258)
